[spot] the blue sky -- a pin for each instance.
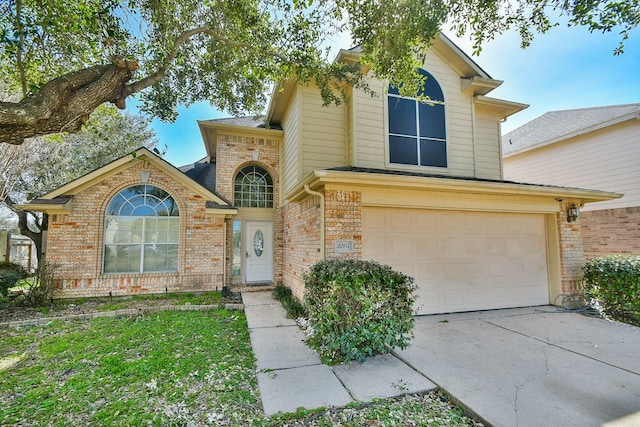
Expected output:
(563, 69)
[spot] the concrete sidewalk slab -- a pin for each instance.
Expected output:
(251, 299)
(614, 343)
(511, 379)
(382, 376)
(281, 347)
(307, 387)
(267, 316)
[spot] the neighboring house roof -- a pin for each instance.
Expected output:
(555, 126)
(60, 199)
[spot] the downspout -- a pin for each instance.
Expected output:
(315, 193)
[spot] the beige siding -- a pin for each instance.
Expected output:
(349, 127)
(322, 132)
(607, 160)
(487, 137)
(291, 173)
(369, 127)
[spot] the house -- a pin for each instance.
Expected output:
(417, 186)
(593, 148)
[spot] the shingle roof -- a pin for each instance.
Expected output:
(203, 173)
(557, 125)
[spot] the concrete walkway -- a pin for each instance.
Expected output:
(291, 376)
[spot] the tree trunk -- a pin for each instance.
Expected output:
(35, 236)
(65, 103)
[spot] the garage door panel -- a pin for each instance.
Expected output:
(462, 260)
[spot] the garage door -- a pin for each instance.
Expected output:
(462, 261)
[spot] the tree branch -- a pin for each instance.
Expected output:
(65, 103)
(23, 76)
(182, 39)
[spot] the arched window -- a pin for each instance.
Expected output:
(417, 131)
(141, 231)
(253, 188)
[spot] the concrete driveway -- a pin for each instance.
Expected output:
(533, 366)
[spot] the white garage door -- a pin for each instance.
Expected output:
(462, 261)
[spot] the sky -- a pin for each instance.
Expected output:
(565, 68)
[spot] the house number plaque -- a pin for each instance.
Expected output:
(343, 246)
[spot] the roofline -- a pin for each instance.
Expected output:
(479, 80)
(318, 178)
(506, 108)
(574, 134)
(209, 146)
(140, 155)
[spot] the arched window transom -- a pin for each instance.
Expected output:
(142, 231)
(253, 188)
(417, 129)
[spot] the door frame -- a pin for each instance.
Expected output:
(249, 250)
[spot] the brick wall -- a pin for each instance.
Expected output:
(343, 221)
(571, 251)
(611, 231)
(301, 242)
(75, 242)
(234, 153)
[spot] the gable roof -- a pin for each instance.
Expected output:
(60, 199)
(475, 79)
(556, 126)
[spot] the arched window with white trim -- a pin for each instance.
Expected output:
(253, 188)
(141, 231)
(417, 128)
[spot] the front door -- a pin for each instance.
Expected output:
(259, 252)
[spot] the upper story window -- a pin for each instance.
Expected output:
(253, 188)
(417, 131)
(141, 231)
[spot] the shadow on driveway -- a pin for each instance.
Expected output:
(532, 366)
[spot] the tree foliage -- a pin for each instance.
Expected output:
(40, 165)
(67, 57)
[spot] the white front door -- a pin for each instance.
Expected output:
(259, 252)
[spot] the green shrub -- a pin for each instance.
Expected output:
(614, 283)
(358, 309)
(290, 303)
(10, 274)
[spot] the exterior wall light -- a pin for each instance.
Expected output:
(573, 213)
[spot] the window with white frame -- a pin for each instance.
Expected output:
(253, 188)
(141, 231)
(417, 129)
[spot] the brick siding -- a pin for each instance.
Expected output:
(611, 231)
(75, 242)
(343, 221)
(301, 242)
(571, 251)
(232, 154)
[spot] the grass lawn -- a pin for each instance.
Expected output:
(169, 368)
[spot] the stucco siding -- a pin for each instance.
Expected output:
(323, 131)
(290, 167)
(606, 160)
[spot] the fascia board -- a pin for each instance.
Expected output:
(461, 186)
